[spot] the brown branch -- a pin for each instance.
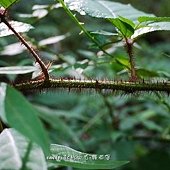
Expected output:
(98, 85)
(32, 51)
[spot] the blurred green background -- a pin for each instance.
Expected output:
(128, 127)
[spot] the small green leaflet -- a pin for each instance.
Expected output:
(125, 26)
(153, 19)
(7, 3)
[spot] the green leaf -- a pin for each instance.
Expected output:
(18, 26)
(125, 26)
(129, 22)
(63, 155)
(154, 19)
(123, 61)
(13, 149)
(7, 3)
(155, 26)
(21, 115)
(105, 9)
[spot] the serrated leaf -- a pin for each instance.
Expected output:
(155, 26)
(63, 155)
(7, 3)
(18, 26)
(105, 9)
(21, 115)
(13, 147)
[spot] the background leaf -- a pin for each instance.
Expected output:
(53, 118)
(17, 69)
(13, 147)
(18, 26)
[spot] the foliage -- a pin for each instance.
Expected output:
(97, 122)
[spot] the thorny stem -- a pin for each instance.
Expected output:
(98, 85)
(32, 51)
(129, 48)
(80, 25)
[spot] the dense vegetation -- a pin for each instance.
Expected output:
(107, 94)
